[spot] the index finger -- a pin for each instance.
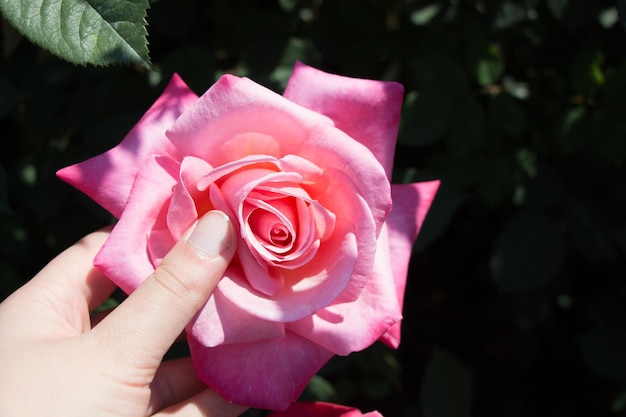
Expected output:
(146, 324)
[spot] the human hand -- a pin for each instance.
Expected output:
(54, 363)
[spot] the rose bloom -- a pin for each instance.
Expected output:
(321, 409)
(323, 238)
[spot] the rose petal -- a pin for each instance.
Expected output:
(234, 106)
(311, 174)
(269, 374)
(367, 110)
(309, 171)
(338, 194)
(410, 205)
(344, 328)
(124, 257)
(312, 287)
(219, 202)
(340, 153)
(258, 275)
(188, 203)
(322, 218)
(237, 187)
(230, 167)
(265, 218)
(160, 242)
(341, 266)
(222, 322)
(299, 229)
(250, 143)
(108, 177)
(321, 409)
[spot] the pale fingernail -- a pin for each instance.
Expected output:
(212, 234)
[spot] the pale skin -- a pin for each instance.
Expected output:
(56, 361)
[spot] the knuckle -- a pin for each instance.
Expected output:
(174, 282)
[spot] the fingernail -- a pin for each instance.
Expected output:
(212, 234)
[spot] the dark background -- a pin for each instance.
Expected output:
(516, 299)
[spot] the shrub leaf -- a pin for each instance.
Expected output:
(98, 32)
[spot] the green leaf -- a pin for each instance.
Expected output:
(98, 32)
(425, 118)
(441, 74)
(619, 403)
(486, 62)
(194, 63)
(424, 15)
(506, 114)
(454, 169)
(608, 17)
(509, 14)
(558, 7)
(615, 85)
(546, 189)
(622, 10)
(590, 230)
(446, 387)
(608, 129)
(294, 50)
(586, 72)
(108, 304)
(9, 97)
(319, 389)
(527, 160)
(603, 351)
(572, 129)
(4, 195)
(527, 253)
(574, 14)
(467, 127)
(497, 180)
(445, 206)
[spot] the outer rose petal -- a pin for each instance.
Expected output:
(348, 327)
(108, 177)
(410, 205)
(321, 409)
(268, 373)
(367, 110)
(234, 106)
(222, 322)
(124, 257)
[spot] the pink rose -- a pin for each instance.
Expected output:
(322, 259)
(320, 409)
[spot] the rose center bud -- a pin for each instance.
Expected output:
(279, 235)
(272, 230)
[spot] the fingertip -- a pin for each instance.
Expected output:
(213, 234)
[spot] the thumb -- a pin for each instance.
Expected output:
(146, 324)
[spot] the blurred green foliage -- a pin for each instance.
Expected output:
(516, 300)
